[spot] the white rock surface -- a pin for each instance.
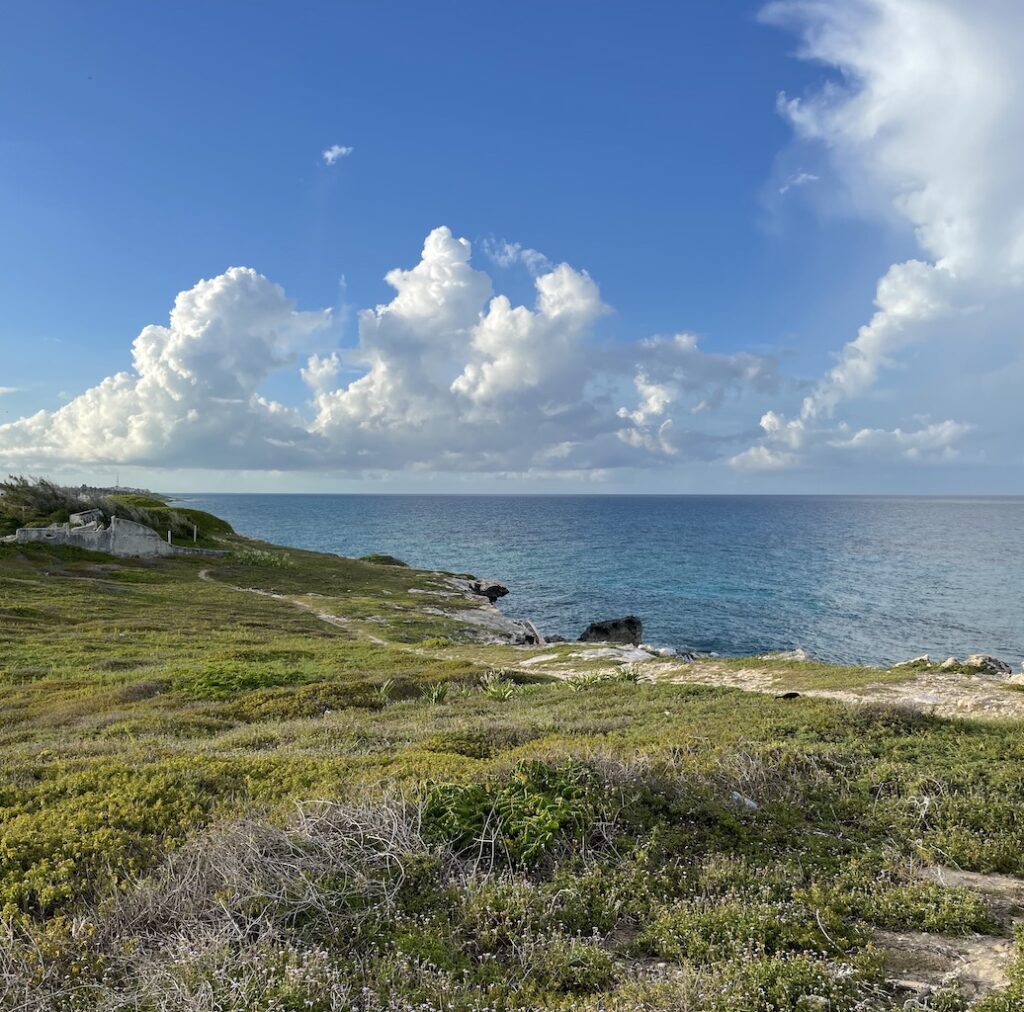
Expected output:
(989, 665)
(788, 655)
(620, 655)
(923, 659)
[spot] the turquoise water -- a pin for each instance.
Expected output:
(867, 580)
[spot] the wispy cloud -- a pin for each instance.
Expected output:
(336, 152)
(800, 179)
(505, 254)
(925, 127)
(8, 390)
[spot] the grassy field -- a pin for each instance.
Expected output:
(279, 781)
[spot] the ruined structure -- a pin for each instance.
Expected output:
(123, 537)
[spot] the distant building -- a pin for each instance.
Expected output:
(122, 537)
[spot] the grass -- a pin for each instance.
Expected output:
(805, 675)
(214, 799)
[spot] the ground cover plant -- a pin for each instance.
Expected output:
(212, 797)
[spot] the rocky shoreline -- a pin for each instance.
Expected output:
(620, 640)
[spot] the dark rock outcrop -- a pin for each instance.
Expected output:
(490, 589)
(614, 630)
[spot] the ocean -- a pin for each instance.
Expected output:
(854, 579)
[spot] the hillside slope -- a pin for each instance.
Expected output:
(285, 780)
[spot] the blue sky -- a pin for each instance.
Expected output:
(145, 148)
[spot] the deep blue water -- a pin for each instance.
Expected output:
(858, 579)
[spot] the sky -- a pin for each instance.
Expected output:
(739, 247)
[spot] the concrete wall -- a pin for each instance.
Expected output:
(123, 537)
(93, 540)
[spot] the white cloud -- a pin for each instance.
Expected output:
(193, 392)
(934, 442)
(926, 125)
(515, 351)
(321, 371)
(505, 254)
(336, 152)
(448, 376)
(8, 390)
(798, 180)
(909, 295)
(761, 458)
(793, 443)
(655, 398)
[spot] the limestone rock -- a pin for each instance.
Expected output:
(914, 661)
(949, 662)
(658, 651)
(486, 624)
(614, 630)
(988, 665)
(788, 655)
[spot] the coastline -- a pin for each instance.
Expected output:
(219, 769)
(725, 576)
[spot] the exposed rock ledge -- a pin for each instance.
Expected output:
(490, 624)
(976, 664)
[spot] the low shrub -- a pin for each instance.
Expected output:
(519, 818)
(223, 680)
(436, 643)
(317, 699)
(261, 558)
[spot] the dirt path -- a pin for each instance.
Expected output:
(945, 694)
(978, 964)
(297, 602)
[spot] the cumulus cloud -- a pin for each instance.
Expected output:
(795, 442)
(194, 386)
(447, 375)
(320, 371)
(762, 458)
(335, 153)
(931, 442)
(926, 124)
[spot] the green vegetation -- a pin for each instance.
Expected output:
(804, 675)
(384, 560)
(39, 503)
(312, 792)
